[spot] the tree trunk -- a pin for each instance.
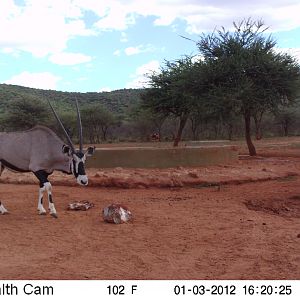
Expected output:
(285, 128)
(159, 134)
(194, 128)
(104, 132)
(229, 131)
(180, 130)
(252, 151)
(258, 134)
(159, 124)
(257, 121)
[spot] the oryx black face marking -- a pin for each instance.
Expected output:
(78, 165)
(80, 154)
(78, 169)
(81, 170)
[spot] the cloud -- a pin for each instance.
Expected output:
(133, 50)
(140, 77)
(44, 80)
(124, 38)
(199, 15)
(40, 27)
(69, 59)
(117, 52)
(116, 20)
(45, 27)
(11, 52)
(139, 49)
(112, 14)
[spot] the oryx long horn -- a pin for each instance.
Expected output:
(62, 127)
(79, 125)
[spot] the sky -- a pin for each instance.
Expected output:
(95, 45)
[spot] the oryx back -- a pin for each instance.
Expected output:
(36, 149)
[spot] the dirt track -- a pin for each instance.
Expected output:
(244, 231)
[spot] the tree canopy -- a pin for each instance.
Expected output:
(24, 113)
(236, 73)
(248, 75)
(173, 93)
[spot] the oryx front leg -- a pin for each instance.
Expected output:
(45, 185)
(41, 209)
(52, 209)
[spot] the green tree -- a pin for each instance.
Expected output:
(286, 118)
(69, 119)
(246, 75)
(172, 92)
(147, 121)
(24, 112)
(96, 121)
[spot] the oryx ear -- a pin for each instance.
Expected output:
(90, 151)
(66, 150)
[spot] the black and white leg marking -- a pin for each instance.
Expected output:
(41, 208)
(45, 185)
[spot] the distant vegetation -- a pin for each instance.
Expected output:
(238, 79)
(130, 123)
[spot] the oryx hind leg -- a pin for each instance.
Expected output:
(45, 185)
(3, 210)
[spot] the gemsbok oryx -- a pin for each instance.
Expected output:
(40, 151)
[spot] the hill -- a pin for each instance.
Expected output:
(117, 102)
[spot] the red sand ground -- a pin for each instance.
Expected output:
(238, 221)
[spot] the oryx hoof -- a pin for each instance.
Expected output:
(41, 210)
(4, 212)
(54, 215)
